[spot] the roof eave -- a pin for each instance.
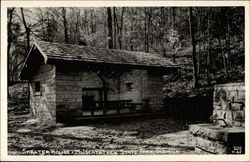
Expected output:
(34, 46)
(54, 60)
(25, 62)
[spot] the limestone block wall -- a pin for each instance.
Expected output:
(229, 103)
(146, 85)
(154, 90)
(69, 90)
(43, 103)
(136, 78)
(69, 86)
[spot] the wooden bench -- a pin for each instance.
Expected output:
(112, 105)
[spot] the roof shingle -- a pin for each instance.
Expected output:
(101, 55)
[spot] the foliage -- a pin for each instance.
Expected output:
(18, 98)
(218, 34)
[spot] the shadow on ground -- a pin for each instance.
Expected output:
(161, 135)
(149, 127)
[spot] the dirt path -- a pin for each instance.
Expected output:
(83, 140)
(152, 136)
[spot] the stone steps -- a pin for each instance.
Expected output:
(216, 140)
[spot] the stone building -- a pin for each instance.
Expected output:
(70, 81)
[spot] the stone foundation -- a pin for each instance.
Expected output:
(226, 135)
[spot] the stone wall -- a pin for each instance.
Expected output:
(226, 135)
(69, 84)
(43, 103)
(136, 78)
(154, 90)
(229, 103)
(146, 85)
(69, 91)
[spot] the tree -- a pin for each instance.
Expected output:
(10, 38)
(192, 33)
(198, 12)
(146, 22)
(15, 50)
(174, 14)
(110, 28)
(163, 30)
(174, 43)
(27, 31)
(115, 27)
(65, 25)
(209, 25)
(120, 28)
(10, 33)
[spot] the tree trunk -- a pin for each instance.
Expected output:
(131, 43)
(76, 36)
(228, 45)
(149, 28)
(105, 31)
(86, 22)
(110, 29)
(223, 56)
(10, 31)
(209, 48)
(199, 60)
(92, 27)
(120, 29)
(10, 39)
(146, 30)
(126, 40)
(65, 25)
(174, 28)
(115, 27)
(27, 31)
(173, 52)
(173, 23)
(199, 43)
(192, 33)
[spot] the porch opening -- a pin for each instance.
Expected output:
(95, 103)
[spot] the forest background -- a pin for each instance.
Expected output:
(206, 42)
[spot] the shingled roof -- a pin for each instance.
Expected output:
(71, 52)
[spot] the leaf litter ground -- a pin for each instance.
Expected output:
(167, 135)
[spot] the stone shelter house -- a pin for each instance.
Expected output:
(69, 81)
